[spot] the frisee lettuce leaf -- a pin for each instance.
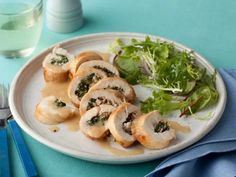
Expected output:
(161, 101)
(159, 65)
(165, 103)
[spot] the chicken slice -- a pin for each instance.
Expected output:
(81, 58)
(56, 65)
(82, 82)
(118, 84)
(93, 123)
(52, 110)
(104, 66)
(153, 132)
(120, 123)
(97, 97)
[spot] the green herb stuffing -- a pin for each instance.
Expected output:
(126, 125)
(116, 88)
(91, 103)
(161, 126)
(60, 60)
(59, 103)
(160, 66)
(99, 119)
(107, 71)
(85, 84)
(98, 101)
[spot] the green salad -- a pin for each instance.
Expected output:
(178, 82)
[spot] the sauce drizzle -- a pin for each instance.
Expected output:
(54, 129)
(178, 127)
(73, 123)
(118, 152)
(60, 91)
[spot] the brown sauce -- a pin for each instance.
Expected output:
(105, 56)
(60, 91)
(178, 127)
(54, 129)
(118, 152)
(73, 123)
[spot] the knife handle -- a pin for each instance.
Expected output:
(27, 162)
(4, 157)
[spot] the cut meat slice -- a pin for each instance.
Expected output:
(120, 123)
(82, 82)
(52, 110)
(81, 58)
(153, 132)
(56, 65)
(104, 66)
(93, 123)
(118, 84)
(97, 97)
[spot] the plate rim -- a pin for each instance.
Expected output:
(102, 158)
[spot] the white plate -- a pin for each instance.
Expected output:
(25, 94)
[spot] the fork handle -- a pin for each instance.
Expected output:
(27, 162)
(4, 158)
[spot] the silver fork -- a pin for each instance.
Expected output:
(5, 113)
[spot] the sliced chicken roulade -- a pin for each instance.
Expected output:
(81, 83)
(52, 110)
(56, 65)
(104, 66)
(116, 83)
(120, 123)
(81, 58)
(152, 132)
(97, 97)
(93, 123)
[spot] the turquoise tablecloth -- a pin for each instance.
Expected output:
(207, 26)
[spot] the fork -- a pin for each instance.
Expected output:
(5, 113)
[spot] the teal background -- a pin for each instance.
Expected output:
(207, 26)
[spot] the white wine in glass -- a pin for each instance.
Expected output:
(20, 27)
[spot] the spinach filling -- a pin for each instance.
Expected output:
(126, 125)
(59, 103)
(100, 100)
(99, 119)
(60, 60)
(116, 88)
(85, 84)
(91, 103)
(108, 72)
(161, 127)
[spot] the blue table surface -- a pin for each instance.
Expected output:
(208, 27)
